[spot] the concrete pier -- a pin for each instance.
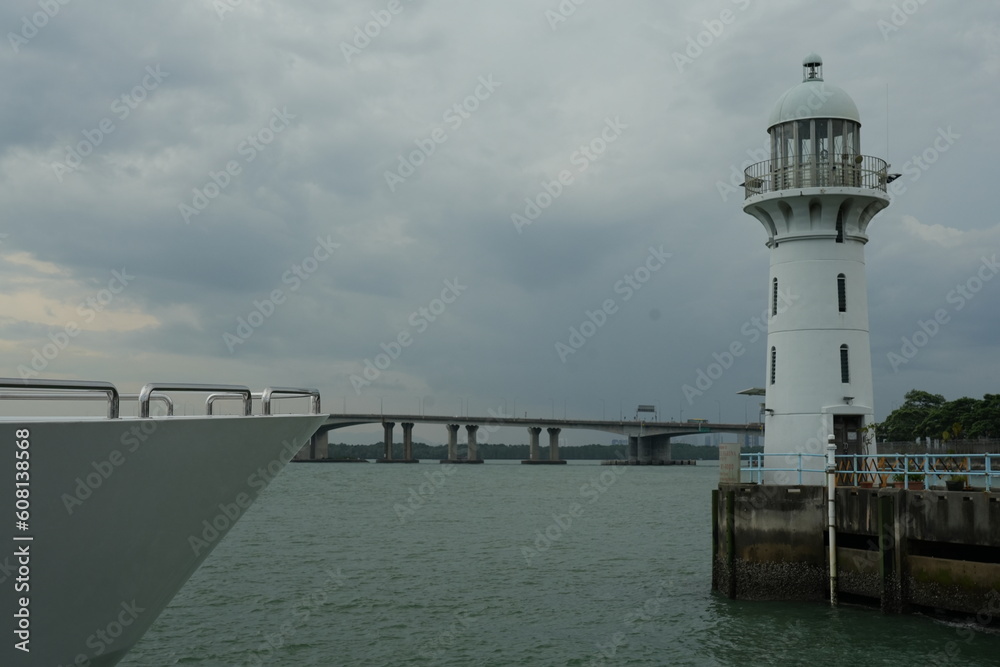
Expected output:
(389, 456)
(387, 439)
(470, 431)
(453, 442)
(473, 455)
(317, 449)
(408, 443)
(554, 445)
(533, 453)
(900, 550)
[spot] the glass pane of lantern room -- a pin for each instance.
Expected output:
(838, 138)
(805, 141)
(822, 136)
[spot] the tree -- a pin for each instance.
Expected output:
(930, 415)
(902, 425)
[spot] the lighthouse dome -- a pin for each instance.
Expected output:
(813, 98)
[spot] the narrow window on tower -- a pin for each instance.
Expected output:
(774, 358)
(840, 226)
(845, 366)
(774, 297)
(842, 293)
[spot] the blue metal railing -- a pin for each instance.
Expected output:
(881, 470)
(757, 469)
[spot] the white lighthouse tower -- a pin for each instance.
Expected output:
(815, 198)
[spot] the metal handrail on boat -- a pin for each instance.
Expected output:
(38, 387)
(268, 395)
(70, 396)
(83, 391)
(212, 398)
(229, 389)
(289, 392)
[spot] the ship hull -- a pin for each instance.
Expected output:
(122, 512)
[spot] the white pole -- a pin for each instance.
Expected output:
(831, 513)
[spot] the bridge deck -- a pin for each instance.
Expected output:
(623, 427)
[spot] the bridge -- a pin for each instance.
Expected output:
(648, 441)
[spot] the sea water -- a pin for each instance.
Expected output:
(505, 564)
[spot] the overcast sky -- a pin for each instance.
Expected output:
(261, 192)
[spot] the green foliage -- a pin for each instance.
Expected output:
(924, 414)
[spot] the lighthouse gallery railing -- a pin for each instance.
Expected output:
(852, 171)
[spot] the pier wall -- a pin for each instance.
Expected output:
(902, 550)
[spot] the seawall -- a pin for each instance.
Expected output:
(902, 550)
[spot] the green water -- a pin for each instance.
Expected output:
(503, 564)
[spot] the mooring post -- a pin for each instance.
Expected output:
(886, 554)
(715, 539)
(831, 512)
(730, 544)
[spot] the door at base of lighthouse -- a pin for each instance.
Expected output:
(847, 433)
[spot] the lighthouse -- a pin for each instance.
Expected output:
(815, 197)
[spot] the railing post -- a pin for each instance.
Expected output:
(989, 471)
(800, 468)
(831, 513)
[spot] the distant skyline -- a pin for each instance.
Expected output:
(454, 208)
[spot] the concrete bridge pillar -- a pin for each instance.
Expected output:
(453, 441)
(645, 446)
(320, 446)
(554, 443)
(661, 448)
(315, 448)
(633, 449)
(407, 441)
(533, 433)
(471, 430)
(387, 438)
